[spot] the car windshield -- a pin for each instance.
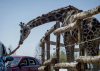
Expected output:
(15, 61)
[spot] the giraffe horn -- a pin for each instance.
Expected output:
(21, 24)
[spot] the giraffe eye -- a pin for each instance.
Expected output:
(25, 31)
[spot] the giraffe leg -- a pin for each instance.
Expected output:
(69, 49)
(70, 53)
(92, 49)
(91, 31)
(96, 50)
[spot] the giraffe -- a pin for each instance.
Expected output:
(91, 28)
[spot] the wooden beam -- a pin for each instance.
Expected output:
(88, 59)
(50, 30)
(42, 68)
(41, 44)
(43, 40)
(66, 28)
(69, 66)
(50, 61)
(86, 14)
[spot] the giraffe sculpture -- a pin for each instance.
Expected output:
(91, 29)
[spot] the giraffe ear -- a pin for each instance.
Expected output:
(21, 24)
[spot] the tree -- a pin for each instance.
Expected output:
(61, 59)
(38, 51)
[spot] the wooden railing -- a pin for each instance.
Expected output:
(56, 29)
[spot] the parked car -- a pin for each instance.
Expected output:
(24, 63)
(4, 59)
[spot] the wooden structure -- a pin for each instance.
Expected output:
(56, 29)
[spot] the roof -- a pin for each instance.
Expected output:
(20, 56)
(24, 56)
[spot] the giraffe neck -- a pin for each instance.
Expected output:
(56, 15)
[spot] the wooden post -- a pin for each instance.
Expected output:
(48, 50)
(57, 44)
(42, 53)
(96, 66)
(48, 46)
(81, 46)
(69, 27)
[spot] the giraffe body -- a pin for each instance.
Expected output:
(91, 29)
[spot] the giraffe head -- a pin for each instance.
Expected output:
(24, 32)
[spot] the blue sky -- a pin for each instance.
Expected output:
(12, 12)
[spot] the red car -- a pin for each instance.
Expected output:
(24, 63)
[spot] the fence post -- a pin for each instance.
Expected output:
(42, 53)
(57, 44)
(48, 50)
(81, 39)
(96, 66)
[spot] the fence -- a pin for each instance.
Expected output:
(56, 29)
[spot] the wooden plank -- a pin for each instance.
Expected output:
(69, 66)
(88, 59)
(50, 61)
(86, 14)
(43, 40)
(66, 28)
(50, 30)
(42, 68)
